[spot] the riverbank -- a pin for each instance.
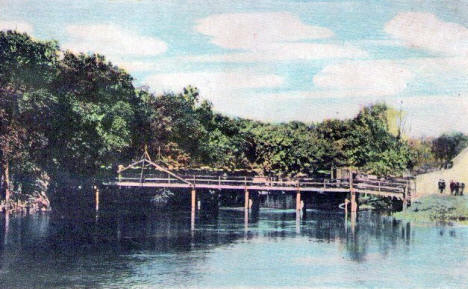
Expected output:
(437, 209)
(26, 204)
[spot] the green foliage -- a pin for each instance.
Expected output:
(66, 115)
(27, 70)
(424, 158)
(437, 208)
(371, 145)
(96, 117)
(74, 114)
(287, 149)
(447, 146)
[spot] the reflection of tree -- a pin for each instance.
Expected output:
(386, 232)
(120, 243)
(356, 245)
(84, 250)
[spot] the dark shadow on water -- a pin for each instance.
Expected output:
(55, 250)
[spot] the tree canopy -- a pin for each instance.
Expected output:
(448, 145)
(67, 114)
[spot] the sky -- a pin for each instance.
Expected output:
(278, 60)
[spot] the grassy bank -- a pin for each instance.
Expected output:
(437, 208)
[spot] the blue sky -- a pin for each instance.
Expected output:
(277, 60)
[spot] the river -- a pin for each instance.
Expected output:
(121, 250)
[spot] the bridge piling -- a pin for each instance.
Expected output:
(96, 194)
(353, 202)
(405, 198)
(353, 194)
(246, 199)
(194, 200)
(298, 200)
(346, 202)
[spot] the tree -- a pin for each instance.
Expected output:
(96, 114)
(335, 134)
(448, 146)
(373, 147)
(287, 149)
(177, 120)
(27, 69)
(227, 144)
(78, 115)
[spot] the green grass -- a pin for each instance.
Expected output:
(438, 209)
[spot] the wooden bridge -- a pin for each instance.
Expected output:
(150, 174)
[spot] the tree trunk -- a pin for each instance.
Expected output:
(5, 181)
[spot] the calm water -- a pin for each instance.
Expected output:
(272, 250)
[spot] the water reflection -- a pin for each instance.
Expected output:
(54, 251)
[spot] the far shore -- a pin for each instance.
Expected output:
(437, 208)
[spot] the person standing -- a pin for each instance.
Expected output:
(462, 189)
(452, 187)
(441, 186)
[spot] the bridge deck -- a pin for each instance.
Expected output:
(318, 187)
(149, 174)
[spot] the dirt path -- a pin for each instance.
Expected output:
(427, 183)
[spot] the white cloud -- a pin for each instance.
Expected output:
(363, 78)
(213, 84)
(428, 115)
(286, 52)
(285, 106)
(266, 37)
(377, 42)
(112, 40)
(137, 65)
(426, 31)
(255, 30)
(20, 26)
(434, 114)
(436, 67)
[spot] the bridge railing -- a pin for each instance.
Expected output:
(380, 185)
(222, 181)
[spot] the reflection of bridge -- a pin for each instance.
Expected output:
(146, 173)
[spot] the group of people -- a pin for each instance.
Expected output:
(456, 188)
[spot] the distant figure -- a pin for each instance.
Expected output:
(457, 188)
(441, 186)
(452, 187)
(462, 188)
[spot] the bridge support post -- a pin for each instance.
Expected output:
(246, 199)
(353, 202)
(346, 202)
(405, 201)
(96, 194)
(193, 207)
(194, 199)
(298, 201)
(405, 198)
(353, 194)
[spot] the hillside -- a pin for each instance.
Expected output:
(427, 183)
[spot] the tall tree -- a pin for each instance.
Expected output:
(447, 146)
(27, 69)
(373, 147)
(97, 104)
